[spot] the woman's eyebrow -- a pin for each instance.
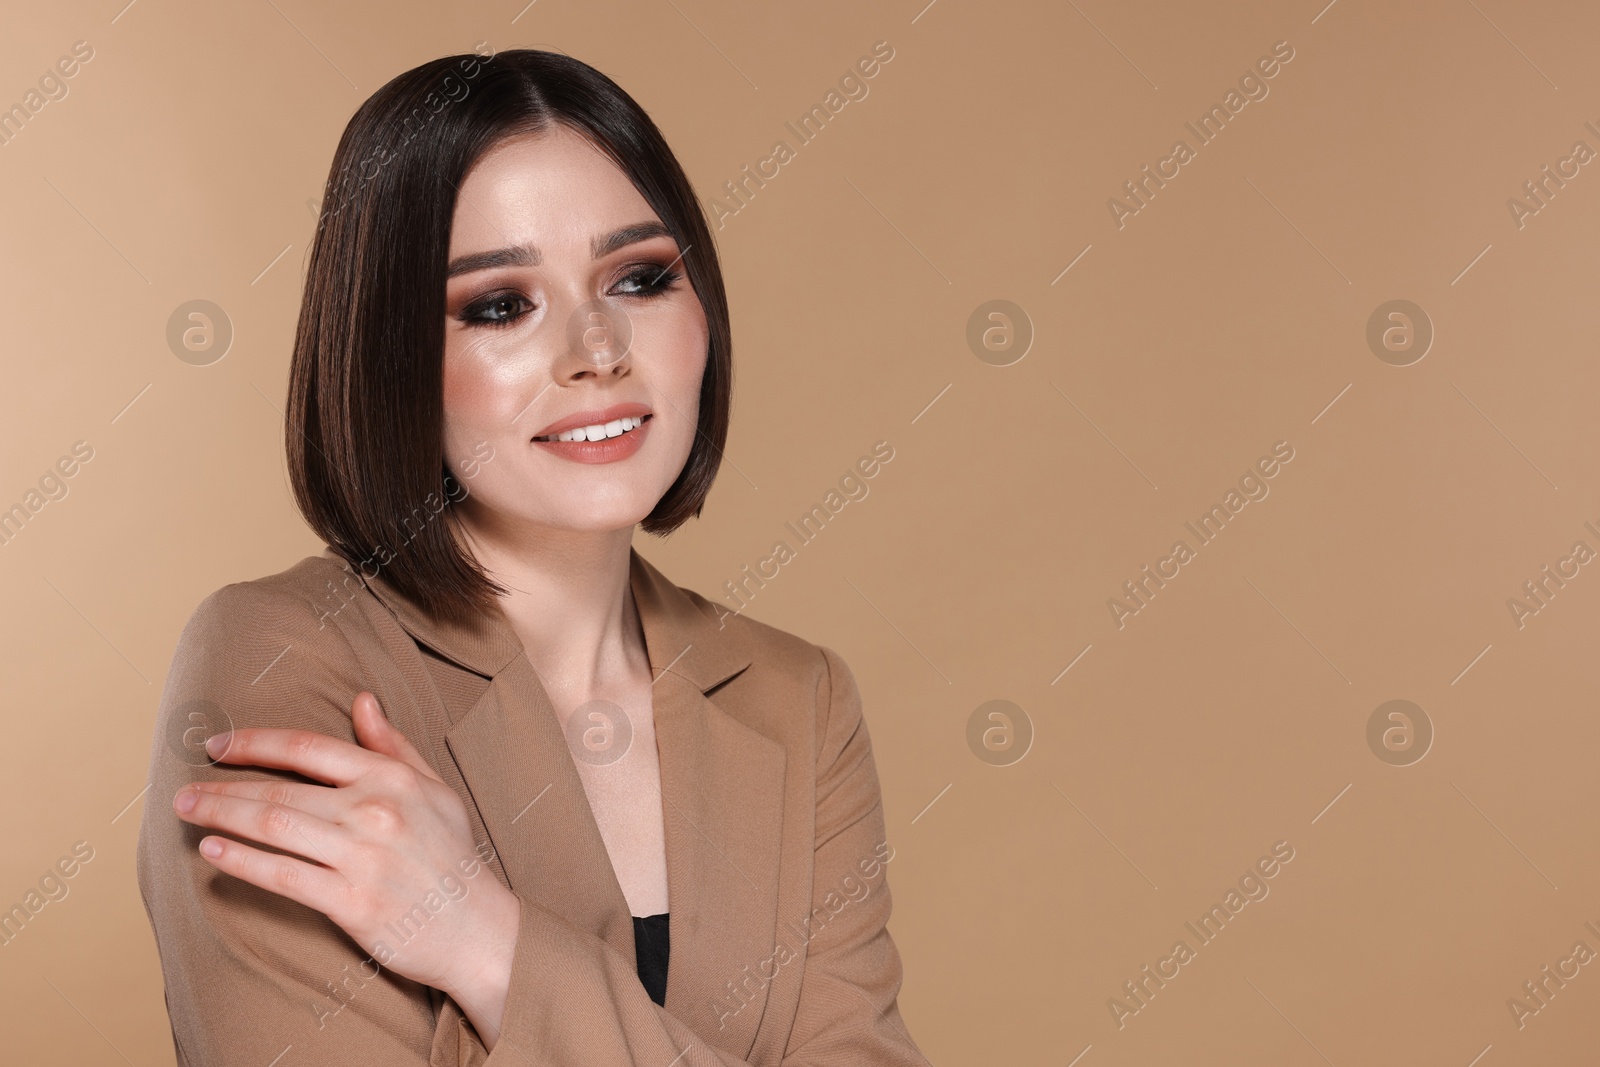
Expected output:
(528, 255)
(627, 235)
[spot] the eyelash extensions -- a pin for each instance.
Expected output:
(652, 278)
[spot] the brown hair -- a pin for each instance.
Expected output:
(365, 408)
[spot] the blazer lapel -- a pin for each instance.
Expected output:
(513, 754)
(722, 788)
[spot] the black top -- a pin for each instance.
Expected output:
(650, 945)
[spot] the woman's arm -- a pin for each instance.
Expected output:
(382, 838)
(251, 974)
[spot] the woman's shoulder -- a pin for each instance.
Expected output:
(787, 653)
(304, 582)
(780, 660)
(291, 607)
(795, 691)
(254, 653)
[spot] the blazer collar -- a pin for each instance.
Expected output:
(722, 792)
(680, 636)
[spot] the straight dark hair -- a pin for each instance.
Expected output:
(365, 413)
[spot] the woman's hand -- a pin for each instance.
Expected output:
(389, 846)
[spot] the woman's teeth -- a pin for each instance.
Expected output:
(598, 432)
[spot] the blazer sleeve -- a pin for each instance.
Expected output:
(575, 999)
(252, 976)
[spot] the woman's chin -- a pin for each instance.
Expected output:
(601, 517)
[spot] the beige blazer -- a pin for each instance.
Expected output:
(776, 851)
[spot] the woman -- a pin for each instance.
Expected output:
(513, 348)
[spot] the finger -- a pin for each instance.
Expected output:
(375, 732)
(306, 752)
(320, 800)
(305, 883)
(258, 820)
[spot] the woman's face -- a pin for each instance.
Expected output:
(565, 301)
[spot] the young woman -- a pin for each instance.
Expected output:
(449, 791)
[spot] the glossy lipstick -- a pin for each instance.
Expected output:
(620, 442)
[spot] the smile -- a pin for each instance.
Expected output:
(598, 431)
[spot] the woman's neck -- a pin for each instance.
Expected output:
(570, 601)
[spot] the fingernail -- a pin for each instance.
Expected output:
(217, 744)
(186, 800)
(211, 847)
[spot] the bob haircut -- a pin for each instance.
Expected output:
(365, 414)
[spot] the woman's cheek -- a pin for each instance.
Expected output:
(469, 398)
(476, 387)
(686, 368)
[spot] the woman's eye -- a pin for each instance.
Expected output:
(504, 309)
(649, 279)
(499, 310)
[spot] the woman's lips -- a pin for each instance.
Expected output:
(606, 450)
(596, 417)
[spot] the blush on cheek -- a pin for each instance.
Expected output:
(469, 381)
(681, 376)
(482, 393)
(472, 399)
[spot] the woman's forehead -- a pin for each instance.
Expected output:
(555, 187)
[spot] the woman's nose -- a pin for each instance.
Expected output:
(598, 341)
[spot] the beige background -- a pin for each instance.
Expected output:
(1227, 315)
